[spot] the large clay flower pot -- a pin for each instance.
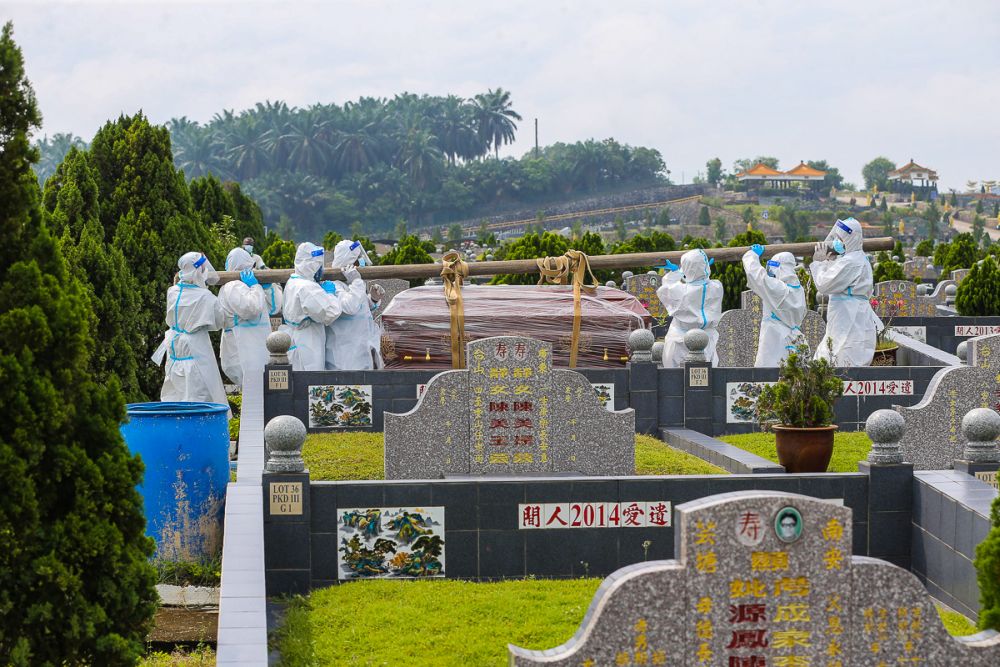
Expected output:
(885, 356)
(804, 449)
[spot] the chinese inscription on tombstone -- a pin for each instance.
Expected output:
(763, 580)
(510, 412)
(643, 287)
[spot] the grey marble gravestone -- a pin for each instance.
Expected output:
(509, 413)
(958, 275)
(742, 594)
(938, 295)
(933, 436)
(920, 267)
(392, 287)
(643, 287)
(739, 331)
(899, 298)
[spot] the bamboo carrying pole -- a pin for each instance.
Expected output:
(523, 266)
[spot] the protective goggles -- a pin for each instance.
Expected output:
(841, 225)
(201, 260)
(318, 252)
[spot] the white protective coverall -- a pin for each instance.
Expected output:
(851, 323)
(354, 336)
(784, 305)
(243, 349)
(192, 374)
(308, 309)
(694, 302)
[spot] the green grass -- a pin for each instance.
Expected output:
(349, 456)
(201, 656)
(956, 624)
(848, 448)
(444, 622)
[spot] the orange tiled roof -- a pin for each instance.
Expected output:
(760, 169)
(805, 170)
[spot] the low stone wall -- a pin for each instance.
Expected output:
(951, 511)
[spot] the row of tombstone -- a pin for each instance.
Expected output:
(763, 579)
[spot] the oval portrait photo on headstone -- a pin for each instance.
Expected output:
(788, 524)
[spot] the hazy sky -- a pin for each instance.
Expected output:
(918, 78)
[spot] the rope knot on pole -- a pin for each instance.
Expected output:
(454, 271)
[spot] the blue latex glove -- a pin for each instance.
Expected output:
(248, 278)
(328, 287)
(669, 266)
(757, 248)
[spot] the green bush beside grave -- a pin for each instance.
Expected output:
(347, 456)
(988, 573)
(848, 448)
(359, 622)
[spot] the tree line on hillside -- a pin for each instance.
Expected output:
(422, 158)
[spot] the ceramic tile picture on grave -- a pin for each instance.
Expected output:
(390, 542)
(605, 394)
(741, 401)
(340, 406)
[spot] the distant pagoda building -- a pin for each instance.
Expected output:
(761, 176)
(911, 177)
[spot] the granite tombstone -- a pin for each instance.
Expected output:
(899, 298)
(739, 331)
(643, 287)
(933, 438)
(509, 413)
(763, 579)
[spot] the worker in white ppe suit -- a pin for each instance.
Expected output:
(192, 373)
(693, 302)
(247, 307)
(258, 261)
(784, 304)
(309, 307)
(353, 340)
(842, 272)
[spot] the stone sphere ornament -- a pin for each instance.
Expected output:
(962, 352)
(696, 341)
(284, 436)
(278, 343)
(641, 342)
(885, 428)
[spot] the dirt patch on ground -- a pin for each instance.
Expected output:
(176, 625)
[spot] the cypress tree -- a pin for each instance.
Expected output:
(147, 215)
(75, 582)
(70, 201)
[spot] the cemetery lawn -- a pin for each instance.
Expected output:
(355, 455)
(383, 622)
(849, 448)
(442, 622)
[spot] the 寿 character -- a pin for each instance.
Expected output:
(749, 526)
(501, 350)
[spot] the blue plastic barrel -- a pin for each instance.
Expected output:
(185, 448)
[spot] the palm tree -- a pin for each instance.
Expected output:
(199, 153)
(420, 157)
(495, 119)
(53, 152)
(454, 128)
(307, 141)
(247, 149)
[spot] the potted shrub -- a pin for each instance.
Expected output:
(799, 409)
(886, 348)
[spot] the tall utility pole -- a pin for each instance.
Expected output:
(536, 138)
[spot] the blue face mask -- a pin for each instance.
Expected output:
(249, 249)
(362, 262)
(838, 247)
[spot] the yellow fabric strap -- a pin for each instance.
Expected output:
(453, 272)
(555, 270)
